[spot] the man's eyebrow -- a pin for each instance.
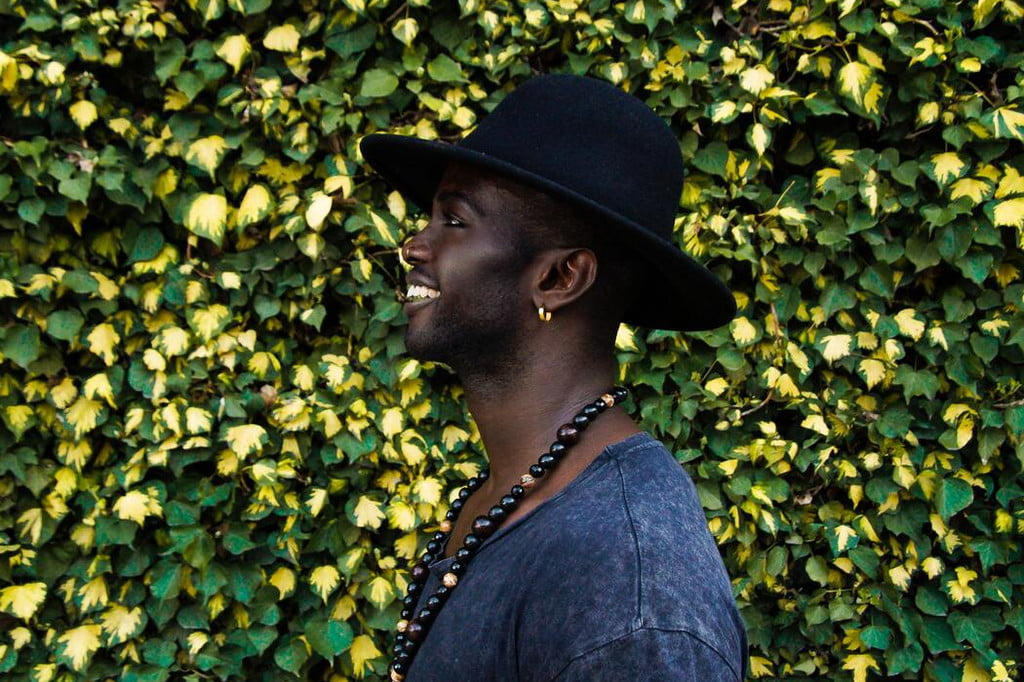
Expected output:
(445, 196)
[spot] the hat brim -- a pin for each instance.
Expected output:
(678, 293)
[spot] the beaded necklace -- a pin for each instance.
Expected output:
(412, 631)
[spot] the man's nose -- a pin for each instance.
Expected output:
(415, 250)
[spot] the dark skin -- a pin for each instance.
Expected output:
(523, 378)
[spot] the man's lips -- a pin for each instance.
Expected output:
(418, 294)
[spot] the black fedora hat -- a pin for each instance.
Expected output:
(589, 143)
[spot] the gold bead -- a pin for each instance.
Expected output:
(446, 526)
(608, 400)
(450, 580)
(402, 625)
(527, 481)
(395, 677)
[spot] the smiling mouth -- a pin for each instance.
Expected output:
(417, 293)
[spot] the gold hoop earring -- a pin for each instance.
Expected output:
(544, 315)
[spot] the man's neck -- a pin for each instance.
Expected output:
(519, 416)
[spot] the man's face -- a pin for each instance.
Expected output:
(468, 283)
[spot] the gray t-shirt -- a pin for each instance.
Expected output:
(614, 578)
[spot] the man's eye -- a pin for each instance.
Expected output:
(451, 221)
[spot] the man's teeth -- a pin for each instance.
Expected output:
(418, 292)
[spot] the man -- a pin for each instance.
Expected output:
(584, 554)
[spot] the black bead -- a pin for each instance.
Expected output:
(428, 558)
(451, 515)
(464, 555)
(547, 461)
(471, 542)
(536, 470)
(419, 572)
(402, 657)
(434, 602)
(400, 668)
(599, 405)
(414, 589)
(443, 592)
(472, 484)
(590, 411)
(406, 614)
(497, 514)
(433, 547)
(558, 450)
(457, 567)
(483, 526)
(484, 475)
(414, 631)
(400, 639)
(438, 535)
(465, 493)
(457, 505)
(517, 491)
(620, 394)
(568, 434)
(409, 601)
(397, 649)
(425, 615)
(508, 503)
(581, 421)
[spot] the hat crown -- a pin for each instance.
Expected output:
(592, 139)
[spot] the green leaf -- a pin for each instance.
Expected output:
(378, 83)
(444, 69)
(291, 655)
(329, 637)
(64, 324)
(21, 345)
(952, 496)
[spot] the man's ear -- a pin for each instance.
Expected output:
(563, 276)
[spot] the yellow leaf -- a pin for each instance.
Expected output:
(380, 592)
(77, 645)
(716, 386)
(83, 416)
(65, 482)
(837, 346)
(854, 79)
(368, 513)
(234, 49)
(860, 664)
(324, 580)
(1010, 213)
(318, 210)
(844, 534)
(760, 137)
(99, 385)
(975, 190)
(196, 641)
(206, 153)
(84, 113)
(207, 216)
(362, 651)
(1012, 182)
(743, 331)
(872, 370)
(165, 183)
(396, 206)
(102, 340)
(960, 589)
(137, 506)
(625, 339)
(94, 593)
(208, 321)
(452, 436)
(405, 546)
(8, 72)
(121, 623)
(282, 39)
(392, 422)
(284, 580)
(948, 166)
(172, 341)
(315, 501)
(23, 601)
(246, 439)
(1008, 123)
(405, 30)
(816, 423)
(256, 205)
(20, 636)
(197, 420)
(756, 79)
(401, 516)
(908, 324)
(428, 490)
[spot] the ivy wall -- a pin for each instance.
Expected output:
(216, 461)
